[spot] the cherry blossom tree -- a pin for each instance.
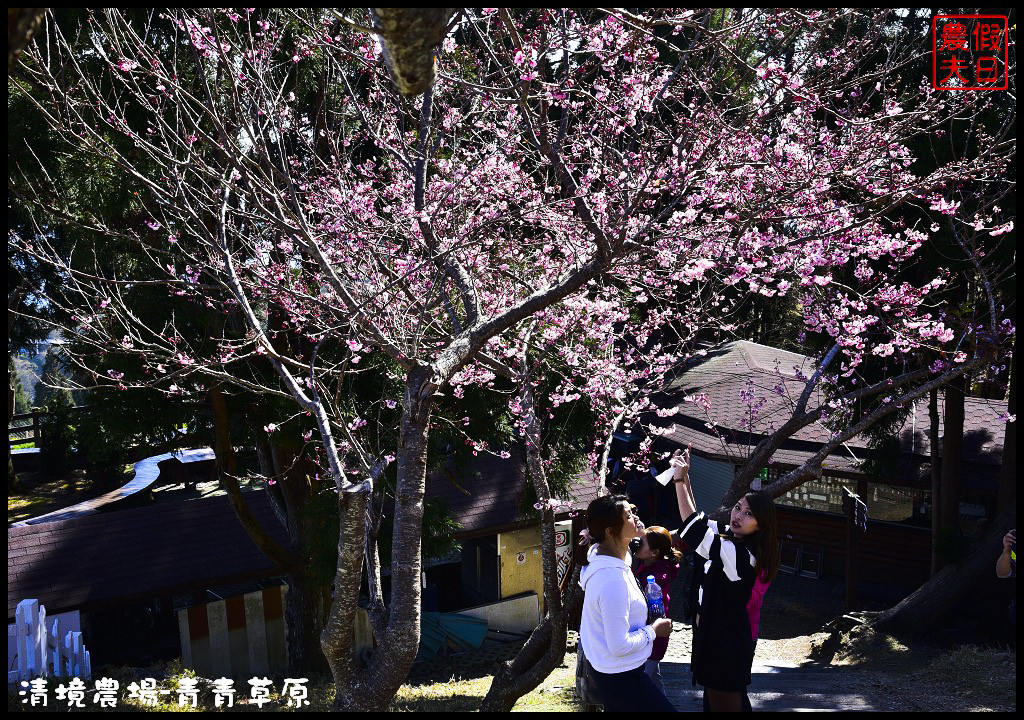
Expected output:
(643, 171)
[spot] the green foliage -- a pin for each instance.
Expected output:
(53, 377)
(105, 450)
(21, 402)
(438, 534)
(57, 444)
(439, 528)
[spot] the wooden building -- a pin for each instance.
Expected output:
(751, 389)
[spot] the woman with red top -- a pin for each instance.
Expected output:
(657, 558)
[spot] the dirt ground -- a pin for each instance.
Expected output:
(936, 674)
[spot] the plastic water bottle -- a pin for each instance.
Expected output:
(655, 601)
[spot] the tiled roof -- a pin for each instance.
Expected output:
(112, 558)
(108, 558)
(772, 375)
(488, 494)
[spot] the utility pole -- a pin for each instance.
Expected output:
(856, 512)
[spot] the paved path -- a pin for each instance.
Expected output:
(773, 688)
(146, 474)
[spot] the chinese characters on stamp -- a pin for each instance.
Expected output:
(970, 52)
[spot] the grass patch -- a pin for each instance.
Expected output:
(849, 641)
(985, 675)
(865, 646)
(39, 495)
(455, 694)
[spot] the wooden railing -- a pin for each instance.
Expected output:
(25, 427)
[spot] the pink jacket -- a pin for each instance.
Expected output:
(664, 572)
(754, 605)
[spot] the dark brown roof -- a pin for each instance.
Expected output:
(112, 558)
(487, 496)
(767, 373)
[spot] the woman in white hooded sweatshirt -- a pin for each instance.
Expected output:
(614, 631)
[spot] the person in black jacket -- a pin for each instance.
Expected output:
(728, 558)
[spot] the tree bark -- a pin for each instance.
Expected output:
(336, 640)
(372, 688)
(21, 24)
(952, 587)
(408, 37)
(305, 610)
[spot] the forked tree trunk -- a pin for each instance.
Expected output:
(336, 641)
(372, 688)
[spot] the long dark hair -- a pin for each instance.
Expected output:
(764, 543)
(603, 514)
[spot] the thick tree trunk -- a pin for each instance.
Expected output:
(21, 24)
(953, 586)
(373, 688)
(336, 641)
(408, 38)
(305, 610)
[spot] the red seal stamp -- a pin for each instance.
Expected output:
(970, 52)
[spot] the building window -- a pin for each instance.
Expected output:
(825, 495)
(898, 504)
(888, 503)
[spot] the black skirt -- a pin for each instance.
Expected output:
(721, 663)
(723, 649)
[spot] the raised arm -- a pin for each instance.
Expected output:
(681, 478)
(1004, 569)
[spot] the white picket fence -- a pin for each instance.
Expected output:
(41, 651)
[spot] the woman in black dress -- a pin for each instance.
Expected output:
(729, 558)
